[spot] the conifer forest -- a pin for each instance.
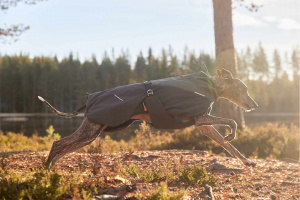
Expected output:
(66, 82)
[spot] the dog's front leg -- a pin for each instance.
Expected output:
(84, 135)
(212, 133)
(212, 120)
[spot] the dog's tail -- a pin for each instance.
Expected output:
(65, 115)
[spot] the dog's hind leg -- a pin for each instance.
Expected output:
(212, 133)
(84, 135)
(212, 120)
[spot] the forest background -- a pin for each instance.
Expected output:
(65, 83)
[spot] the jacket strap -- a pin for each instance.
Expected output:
(160, 118)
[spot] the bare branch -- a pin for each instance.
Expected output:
(248, 4)
(9, 34)
(5, 4)
(12, 32)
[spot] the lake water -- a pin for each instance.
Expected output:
(29, 124)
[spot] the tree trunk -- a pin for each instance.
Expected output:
(225, 55)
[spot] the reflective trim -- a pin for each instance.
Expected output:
(199, 94)
(118, 97)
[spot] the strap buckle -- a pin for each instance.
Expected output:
(149, 92)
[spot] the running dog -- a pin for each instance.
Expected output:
(171, 103)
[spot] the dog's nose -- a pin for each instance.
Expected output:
(254, 105)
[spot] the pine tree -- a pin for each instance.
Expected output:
(173, 67)
(296, 66)
(185, 61)
(140, 69)
(123, 71)
(296, 83)
(107, 73)
(193, 63)
(244, 63)
(173, 64)
(89, 76)
(152, 67)
(248, 62)
(277, 63)
(260, 64)
(164, 65)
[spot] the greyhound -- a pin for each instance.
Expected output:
(230, 88)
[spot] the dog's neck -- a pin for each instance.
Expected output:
(221, 85)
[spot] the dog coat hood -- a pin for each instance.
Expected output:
(188, 95)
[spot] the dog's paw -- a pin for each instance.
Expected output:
(229, 138)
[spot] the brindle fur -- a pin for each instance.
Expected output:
(84, 135)
(212, 120)
(212, 133)
(228, 87)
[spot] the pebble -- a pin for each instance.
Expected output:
(273, 197)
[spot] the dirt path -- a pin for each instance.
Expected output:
(271, 179)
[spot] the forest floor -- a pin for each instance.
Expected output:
(137, 175)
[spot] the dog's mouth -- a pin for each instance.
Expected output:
(249, 105)
(245, 108)
(248, 108)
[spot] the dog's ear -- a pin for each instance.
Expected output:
(223, 73)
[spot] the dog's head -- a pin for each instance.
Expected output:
(235, 90)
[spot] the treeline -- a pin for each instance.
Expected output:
(64, 83)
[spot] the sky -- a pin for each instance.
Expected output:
(91, 27)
